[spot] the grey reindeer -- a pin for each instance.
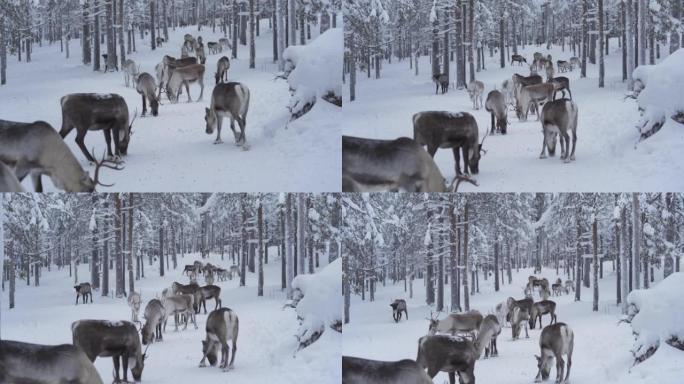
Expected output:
(116, 339)
(45, 364)
(36, 149)
(222, 327)
(398, 306)
(555, 341)
(146, 87)
(229, 100)
(154, 316)
(356, 370)
(559, 118)
(388, 165)
(496, 106)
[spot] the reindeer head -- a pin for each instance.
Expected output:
(550, 138)
(211, 120)
(544, 366)
(210, 349)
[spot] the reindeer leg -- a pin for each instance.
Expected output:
(80, 141)
(233, 350)
(224, 356)
(452, 377)
(574, 143)
(124, 361)
(542, 155)
(116, 369)
(144, 106)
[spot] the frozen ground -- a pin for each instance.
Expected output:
(606, 156)
(602, 347)
(265, 345)
(172, 152)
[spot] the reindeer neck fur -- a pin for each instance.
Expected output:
(483, 338)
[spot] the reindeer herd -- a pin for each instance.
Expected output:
(123, 341)
(36, 149)
(400, 165)
(454, 343)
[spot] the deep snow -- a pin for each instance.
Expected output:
(602, 346)
(172, 152)
(266, 342)
(607, 160)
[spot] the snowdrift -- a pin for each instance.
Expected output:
(318, 303)
(659, 93)
(656, 315)
(314, 72)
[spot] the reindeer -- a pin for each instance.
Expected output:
(520, 312)
(222, 326)
(228, 100)
(496, 106)
(515, 58)
(94, 112)
(537, 56)
(559, 117)
(155, 316)
(116, 339)
(388, 165)
(134, 302)
(542, 308)
(233, 271)
(398, 306)
(146, 87)
(37, 149)
(165, 68)
(184, 76)
(475, 91)
(502, 310)
(213, 47)
(190, 289)
(209, 278)
(179, 305)
(467, 322)
(131, 72)
(508, 90)
(199, 52)
(8, 181)
(575, 62)
(444, 353)
(210, 292)
(569, 286)
(563, 66)
(83, 290)
(557, 287)
(440, 129)
(222, 67)
(522, 81)
(530, 97)
(441, 80)
(549, 70)
(560, 83)
(160, 41)
(224, 43)
(189, 268)
(45, 364)
(555, 341)
(363, 371)
(198, 266)
(490, 326)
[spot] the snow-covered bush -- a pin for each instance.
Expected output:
(318, 303)
(659, 93)
(656, 316)
(314, 71)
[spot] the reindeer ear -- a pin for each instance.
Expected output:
(537, 357)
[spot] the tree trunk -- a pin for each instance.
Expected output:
(111, 48)
(594, 238)
(161, 246)
(94, 260)
(453, 248)
(105, 249)
(466, 270)
(283, 244)
(496, 263)
(292, 22)
(471, 38)
(153, 39)
(244, 244)
(643, 18)
(131, 282)
(301, 233)
(585, 43)
(636, 240)
(623, 262)
(122, 48)
(288, 245)
(85, 35)
(578, 255)
(601, 45)
(629, 24)
(234, 52)
(260, 225)
(96, 36)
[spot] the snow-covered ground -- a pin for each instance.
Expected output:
(266, 343)
(602, 347)
(606, 156)
(172, 152)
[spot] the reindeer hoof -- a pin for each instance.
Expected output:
(218, 141)
(245, 147)
(572, 157)
(542, 156)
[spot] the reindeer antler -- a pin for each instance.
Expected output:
(458, 179)
(104, 163)
(482, 142)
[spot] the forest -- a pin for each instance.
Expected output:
(458, 253)
(271, 259)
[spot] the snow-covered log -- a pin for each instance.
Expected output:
(660, 95)
(656, 316)
(318, 303)
(314, 71)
